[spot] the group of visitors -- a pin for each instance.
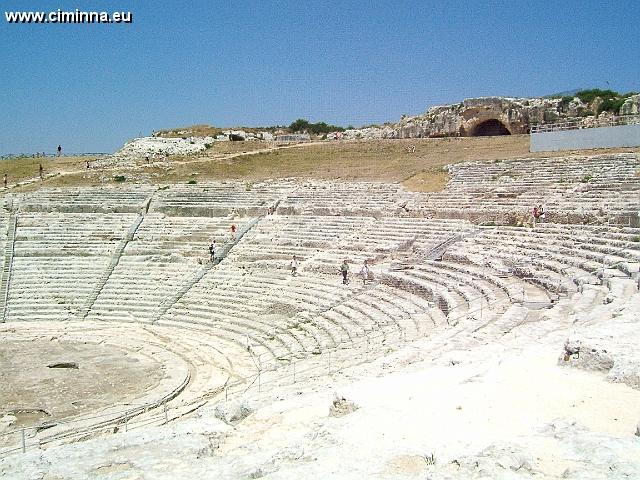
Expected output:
(538, 213)
(213, 246)
(365, 271)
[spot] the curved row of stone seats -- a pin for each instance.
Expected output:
(137, 287)
(249, 303)
(549, 273)
(330, 239)
(268, 253)
(579, 249)
(501, 281)
(131, 199)
(616, 172)
(271, 311)
(74, 234)
(309, 232)
(419, 235)
(489, 207)
(573, 190)
(455, 291)
(606, 245)
(378, 309)
(51, 288)
(220, 199)
(215, 361)
(337, 198)
(550, 256)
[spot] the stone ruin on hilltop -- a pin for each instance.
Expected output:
(484, 116)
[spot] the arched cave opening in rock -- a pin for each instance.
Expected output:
(490, 128)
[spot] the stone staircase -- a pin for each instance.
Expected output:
(86, 307)
(6, 265)
(201, 272)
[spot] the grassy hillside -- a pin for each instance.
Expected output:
(371, 160)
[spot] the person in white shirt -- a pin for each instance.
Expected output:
(365, 273)
(294, 266)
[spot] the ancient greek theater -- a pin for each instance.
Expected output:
(483, 343)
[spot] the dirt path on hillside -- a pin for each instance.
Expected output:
(416, 163)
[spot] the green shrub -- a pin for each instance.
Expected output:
(588, 96)
(316, 128)
(611, 105)
(636, 239)
(119, 178)
(565, 101)
(191, 182)
(587, 178)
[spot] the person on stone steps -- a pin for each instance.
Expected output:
(212, 250)
(365, 273)
(344, 269)
(294, 266)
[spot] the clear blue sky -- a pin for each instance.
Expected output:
(91, 87)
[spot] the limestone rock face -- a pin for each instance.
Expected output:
(631, 106)
(576, 107)
(490, 116)
(471, 117)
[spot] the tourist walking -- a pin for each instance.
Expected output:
(212, 250)
(41, 171)
(294, 266)
(233, 232)
(5, 180)
(344, 269)
(541, 213)
(59, 150)
(365, 273)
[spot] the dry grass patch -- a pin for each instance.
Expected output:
(433, 180)
(372, 160)
(25, 168)
(416, 163)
